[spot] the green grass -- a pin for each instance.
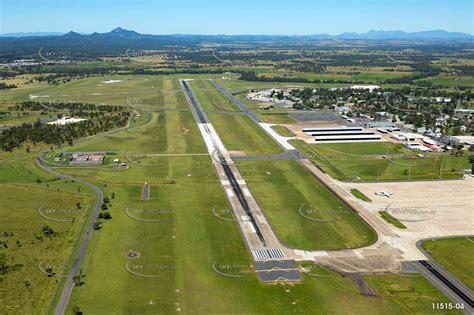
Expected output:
(390, 219)
(414, 294)
(380, 161)
(455, 254)
(183, 246)
(283, 131)
(190, 241)
(25, 288)
(276, 118)
(292, 199)
(360, 195)
(211, 99)
(239, 133)
(451, 81)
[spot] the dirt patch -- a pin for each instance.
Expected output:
(363, 286)
(185, 130)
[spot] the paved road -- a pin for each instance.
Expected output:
(425, 268)
(67, 289)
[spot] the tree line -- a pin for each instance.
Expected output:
(99, 120)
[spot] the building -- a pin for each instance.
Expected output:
(418, 147)
(371, 88)
(342, 134)
(465, 140)
(66, 120)
(378, 124)
(87, 158)
(463, 112)
(406, 136)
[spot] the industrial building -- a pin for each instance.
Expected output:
(87, 158)
(465, 140)
(341, 134)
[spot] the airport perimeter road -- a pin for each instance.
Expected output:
(259, 236)
(69, 285)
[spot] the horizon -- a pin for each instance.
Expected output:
(56, 33)
(323, 17)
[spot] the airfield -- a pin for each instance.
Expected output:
(192, 241)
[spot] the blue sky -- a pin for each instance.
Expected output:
(236, 17)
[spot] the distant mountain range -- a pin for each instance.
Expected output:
(120, 40)
(371, 35)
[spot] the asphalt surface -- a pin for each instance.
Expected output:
(203, 119)
(450, 285)
(237, 102)
(63, 301)
(259, 236)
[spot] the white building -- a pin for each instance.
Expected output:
(371, 88)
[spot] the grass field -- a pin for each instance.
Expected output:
(237, 132)
(214, 101)
(417, 293)
(338, 75)
(455, 254)
(24, 288)
(381, 161)
(390, 219)
(181, 247)
(312, 218)
(360, 195)
(283, 131)
(451, 80)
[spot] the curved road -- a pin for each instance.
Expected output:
(448, 284)
(67, 289)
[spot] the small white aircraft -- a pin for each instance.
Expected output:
(384, 193)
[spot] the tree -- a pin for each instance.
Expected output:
(76, 310)
(78, 279)
(97, 225)
(47, 230)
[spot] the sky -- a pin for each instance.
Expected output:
(236, 16)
